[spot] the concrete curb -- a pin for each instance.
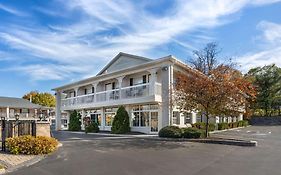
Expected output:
(114, 135)
(232, 129)
(221, 141)
(26, 164)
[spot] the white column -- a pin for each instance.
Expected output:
(102, 119)
(7, 113)
(76, 91)
(166, 105)
(152, 81)
(58, 110)
(95, 85)
(120, 80)
(82, 119)
(67, 118)
(240, 117)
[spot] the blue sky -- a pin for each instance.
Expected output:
(45, 44)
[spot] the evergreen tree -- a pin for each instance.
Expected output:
(74, 121)
(121, 123)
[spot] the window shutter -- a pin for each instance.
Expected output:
(93, 89)
(113, 85)
(85, 91)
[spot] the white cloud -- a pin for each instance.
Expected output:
(12, 10)
(105, 28)
(270, 41)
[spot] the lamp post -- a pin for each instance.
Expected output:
(3, 133)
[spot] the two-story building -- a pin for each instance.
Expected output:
(144, 86)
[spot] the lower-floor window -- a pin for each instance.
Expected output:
(109, 119)
(187, 118)
(141, 115)
(96, 118)
(176, 117)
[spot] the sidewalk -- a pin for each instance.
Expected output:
(12, 162)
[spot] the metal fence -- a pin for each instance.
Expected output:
(16, 128)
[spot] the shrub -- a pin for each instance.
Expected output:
(92, 127)
(121, 123)
(192, 133)
(170, 132)
(74, 121)
(244, 123)
(223, 126)
(2, 167)
(31, 145)
(202, 125)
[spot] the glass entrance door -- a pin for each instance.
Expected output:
(154, 122)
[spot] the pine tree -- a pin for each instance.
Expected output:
(121, 123)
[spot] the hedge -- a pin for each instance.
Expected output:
(242, 123)
(170, 132)
(193, 133)
(92, 127)
(202, 125)
(31, 145)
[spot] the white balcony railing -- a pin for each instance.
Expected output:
(136, 91)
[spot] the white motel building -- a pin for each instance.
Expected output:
(144, 86)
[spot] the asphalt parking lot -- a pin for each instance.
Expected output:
(102, 155)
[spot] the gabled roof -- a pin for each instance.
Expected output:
(128, 56)
(149, 62)
(17, 103)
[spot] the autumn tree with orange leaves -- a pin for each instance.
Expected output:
(223, 91)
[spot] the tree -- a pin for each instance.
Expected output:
(121, 123)
(44, 98)
(74, 121)
(267, 80)
(224, 91)
(206, 60)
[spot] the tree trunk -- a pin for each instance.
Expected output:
(207, 124)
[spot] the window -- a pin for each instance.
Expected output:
(85, 91)
(141, 115)
(109, 119)
(131, 81)
(109, 115)
(24, 111)
(96, 118)
(187, 118)
(113, 85)
(176, 117)
(136, 118)
(144, 79)
(144, 118)
(93, 89)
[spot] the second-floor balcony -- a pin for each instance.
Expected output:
(130, 92)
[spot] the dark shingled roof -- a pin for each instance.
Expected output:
(17, 103)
